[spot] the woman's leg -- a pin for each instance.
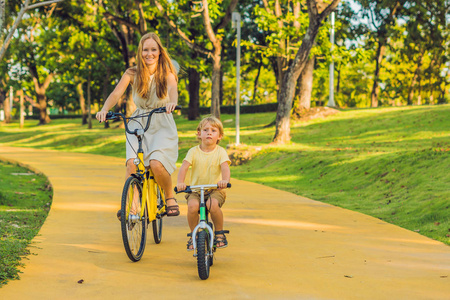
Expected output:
(163, 178)
(131, 168)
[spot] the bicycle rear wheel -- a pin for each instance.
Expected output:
(203, 261)
(134, 229)
(157, 224)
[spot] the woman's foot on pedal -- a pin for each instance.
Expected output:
(172, 210)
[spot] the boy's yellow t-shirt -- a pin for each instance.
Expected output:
(205, 166)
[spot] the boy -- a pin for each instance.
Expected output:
(210, 164)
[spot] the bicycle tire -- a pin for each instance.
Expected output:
(157, 224)
(134, 232)
(202, 254)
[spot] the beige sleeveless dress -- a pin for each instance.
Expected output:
(160, 141)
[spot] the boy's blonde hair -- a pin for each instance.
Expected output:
(214, 123)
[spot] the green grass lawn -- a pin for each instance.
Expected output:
(390, 163)
(25, 199)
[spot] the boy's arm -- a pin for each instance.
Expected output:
(225, 167)
(181, 186)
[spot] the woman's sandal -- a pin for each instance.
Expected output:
(189, 243)
(175, 209)
(221, 239)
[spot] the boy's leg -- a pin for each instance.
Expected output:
(220, 240)
(192, 216)
(216, 214)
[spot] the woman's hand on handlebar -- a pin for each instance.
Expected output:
(170, 107)
(101, 116)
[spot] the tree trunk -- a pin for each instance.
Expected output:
(41, 97)
(221, 87)
(194, 94)
(305, 84)
(338, 83)
(414, 80)
(215, 88)
(376, 88)
(286, 95)
(43, 116)
(8, 110)
(255, 84)
(82, 101)
(106, 89)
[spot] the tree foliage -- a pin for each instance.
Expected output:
(386, 52)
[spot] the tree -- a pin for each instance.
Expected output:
(288, 84)
(214, 21)
(25, 7)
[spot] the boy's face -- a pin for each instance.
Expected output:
(209, 135)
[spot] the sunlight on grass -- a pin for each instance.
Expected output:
(384, 162)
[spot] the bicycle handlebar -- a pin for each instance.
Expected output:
(114, 116)
(190, 188)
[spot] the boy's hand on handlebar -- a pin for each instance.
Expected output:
(101, 116)
(181, 186)
(170, 107)
(222, 184)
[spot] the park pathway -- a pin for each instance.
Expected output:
(282, 246)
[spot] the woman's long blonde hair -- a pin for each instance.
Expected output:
(162, 69)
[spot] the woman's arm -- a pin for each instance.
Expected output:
(172, 91)
(114, 97)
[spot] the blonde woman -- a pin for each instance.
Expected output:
(154, 84)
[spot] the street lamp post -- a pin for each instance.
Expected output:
(331, 97)
(236, 19)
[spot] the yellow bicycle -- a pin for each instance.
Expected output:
(142, 198)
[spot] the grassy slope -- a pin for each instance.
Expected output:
(24, 204)
(391, 163)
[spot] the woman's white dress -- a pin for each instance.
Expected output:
(160, 141)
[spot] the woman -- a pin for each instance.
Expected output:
(154, 84)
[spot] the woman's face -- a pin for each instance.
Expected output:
(150, 52)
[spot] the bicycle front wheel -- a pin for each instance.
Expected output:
(203, 261)
(157, 224)
(134, 229)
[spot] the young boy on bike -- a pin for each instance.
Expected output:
(209, 165)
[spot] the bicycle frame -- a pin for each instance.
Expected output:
(202, 222)
(150, 188)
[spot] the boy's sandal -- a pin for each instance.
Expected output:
(173, 210)
(119, 215)
(189, 243)
(221, 239)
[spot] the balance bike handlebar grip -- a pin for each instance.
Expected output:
(188, 189)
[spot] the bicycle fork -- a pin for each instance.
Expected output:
(203, 226)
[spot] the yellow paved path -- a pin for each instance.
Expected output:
(282, 246)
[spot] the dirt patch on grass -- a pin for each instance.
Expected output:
(314, 113)
(242, 153)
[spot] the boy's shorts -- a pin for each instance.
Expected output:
(219, 195)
